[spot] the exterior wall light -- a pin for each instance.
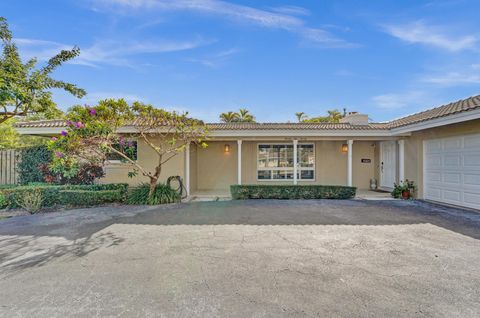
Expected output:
(344, 148)
(226, 148)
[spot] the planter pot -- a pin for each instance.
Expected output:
(406, 195)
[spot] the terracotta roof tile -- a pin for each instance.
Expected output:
(294, 126)
(235, 126)
(464, 105)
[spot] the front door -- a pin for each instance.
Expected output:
(388, 164)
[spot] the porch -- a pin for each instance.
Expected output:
(210, 171)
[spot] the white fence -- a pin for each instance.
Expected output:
(8, 166)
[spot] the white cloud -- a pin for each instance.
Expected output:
(393, 101)
(107, 51)
(457, 74)
(291, 10)
(453, 79)
(420, 33)
(285, 18)
(93, 98)
(217, 59)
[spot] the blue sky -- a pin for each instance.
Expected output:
(383, 58)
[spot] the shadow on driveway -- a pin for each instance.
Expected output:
(82, 223)
(312, 212)
(32, 241)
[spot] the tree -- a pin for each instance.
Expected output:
(11, 139)
(333, 116)
(242, 116)
(229, 117)
(92, 135)
(24, 89)
(300, 116)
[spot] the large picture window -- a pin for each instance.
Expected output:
(275, 162)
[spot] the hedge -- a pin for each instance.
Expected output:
(49, 194)
(71, 195)
(291, 192)
(89, 198)
(30, 160)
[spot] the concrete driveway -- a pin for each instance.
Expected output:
(243, 259)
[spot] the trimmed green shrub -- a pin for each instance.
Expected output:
(3, 201)
(290, 192)
(163, 194)
(89, 198)
(15, 195)
(72, 195)
(31, 201)
(30, 161)
(122, 187)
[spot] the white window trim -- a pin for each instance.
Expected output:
(299, 169)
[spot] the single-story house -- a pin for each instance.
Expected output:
(439, 149)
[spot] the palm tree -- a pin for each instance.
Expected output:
(244, 116)
(334, 115)
(300, 116)
(229, 117)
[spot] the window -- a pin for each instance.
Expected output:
(129, 148)
(275, 162)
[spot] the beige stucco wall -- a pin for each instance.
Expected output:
(414, 147)
(215, 170)
(211, 169)
(147, 158)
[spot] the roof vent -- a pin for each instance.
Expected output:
(355, 118)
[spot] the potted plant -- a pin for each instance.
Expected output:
(404, 190)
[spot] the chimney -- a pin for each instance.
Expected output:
(355, 118)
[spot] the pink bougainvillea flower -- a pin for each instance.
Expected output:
(69, 123)
(92, 111)
(54, 138)
(58, 154)
(63, 133)
(130, 143)
(122, 141)
(79, 125)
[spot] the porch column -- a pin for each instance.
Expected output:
(239, 161)
(401, 159)
(295, 161)
(187, 169)
(350, 163)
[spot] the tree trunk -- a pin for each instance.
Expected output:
(153, 185)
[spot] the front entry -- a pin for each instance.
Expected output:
(388, 164)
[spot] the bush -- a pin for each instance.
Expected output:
(290, 192)
(31, 201)
(89, 198)
(14, 195)
(122, 187)
(72, 195)
(86, 174)
(3, 201)
(31, 159)
(163, 194)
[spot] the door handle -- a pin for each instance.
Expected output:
(381, 168)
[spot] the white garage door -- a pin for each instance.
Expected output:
(452, 170)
